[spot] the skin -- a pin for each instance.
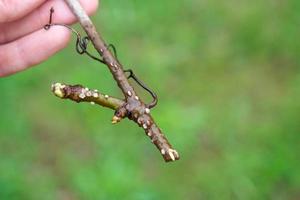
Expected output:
(23, 40)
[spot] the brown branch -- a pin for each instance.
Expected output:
(132, 107)
(79, 93)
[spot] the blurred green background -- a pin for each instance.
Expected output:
(228, 79)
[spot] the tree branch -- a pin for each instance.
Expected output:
(132, 107)
(79, 93)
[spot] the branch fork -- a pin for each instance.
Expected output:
(131, 107)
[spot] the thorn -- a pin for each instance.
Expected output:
(106, 96)
(93, 103)
(136, 97)
(129, 93)
(163, 152)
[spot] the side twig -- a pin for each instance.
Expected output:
(132, 107)
(79, 93)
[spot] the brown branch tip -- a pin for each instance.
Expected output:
(131, 107)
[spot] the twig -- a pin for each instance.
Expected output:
(132, 107)
(79, 93)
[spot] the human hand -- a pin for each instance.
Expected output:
(23, 40)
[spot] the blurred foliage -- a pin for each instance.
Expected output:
(228, 78)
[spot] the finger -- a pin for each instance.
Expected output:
(32, 49)
(39, 17)
(13, 9)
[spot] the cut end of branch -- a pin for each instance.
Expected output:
(79, 93)
(170, 155)
(58, 89)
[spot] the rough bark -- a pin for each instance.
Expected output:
(132, 107)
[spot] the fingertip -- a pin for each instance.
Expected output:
(57, 34)
(95, 6)
(32, 49)
(46, 43)
(14, 9)
(39, 17)
(90, 6)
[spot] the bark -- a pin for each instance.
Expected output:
(132, 107)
